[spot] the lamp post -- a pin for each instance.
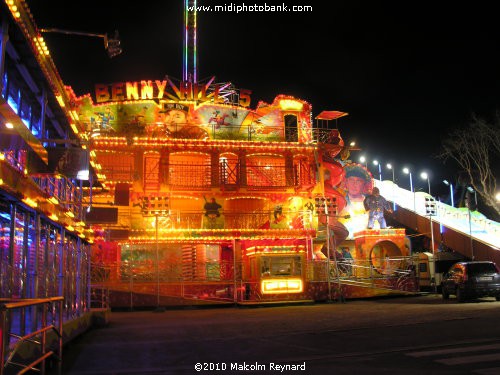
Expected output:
(471, 190)
(111, 44)
(362, 159)
(375, 162)
(468, 203)
(451, 192)
(389, 166)
(407, 171)
(425, 176)
(431, 210)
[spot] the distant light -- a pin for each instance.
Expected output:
(375, 162)
(470, 189)
(362, 159)
(424, 175)
(9, 125)
(288, 104)
(497, 197)
(352, 144)
(83, 174)
(406, 170)
(389, 165)
(446, 182)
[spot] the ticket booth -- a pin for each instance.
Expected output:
(274, 270)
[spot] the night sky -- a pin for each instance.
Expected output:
(406, 72)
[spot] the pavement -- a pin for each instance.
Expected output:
(337, 338)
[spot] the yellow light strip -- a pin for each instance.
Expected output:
(60, 101)
(30, 202)
(53, 200)
(75, 129)
(281, 286)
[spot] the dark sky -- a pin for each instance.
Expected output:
(407, 72)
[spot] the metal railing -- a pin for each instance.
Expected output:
(15, 336)
(225, 281)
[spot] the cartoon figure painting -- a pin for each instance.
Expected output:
(103, 121)
(178, 123)
(279, 220)
(357, 184)
(212, 218)
(218, 119)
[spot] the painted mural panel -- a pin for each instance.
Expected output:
(283, 120)
(356, 184)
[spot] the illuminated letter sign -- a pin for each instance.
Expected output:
(245, 97)
(166, 89)
(101, 93)
(132, 90)
(146, 90)
(118, 92)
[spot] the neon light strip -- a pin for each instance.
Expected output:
(195, 42)
(185, 65)
(187, 41)
(280, 286)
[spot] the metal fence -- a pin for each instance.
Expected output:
(140, 283)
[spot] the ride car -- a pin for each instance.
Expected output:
(471, 280)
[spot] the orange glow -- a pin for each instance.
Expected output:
(30, 202)
(60, 100)
(53, 200)
(275, 249)
(280, 286)
(291, 105)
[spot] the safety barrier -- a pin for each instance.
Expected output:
(137, 283)
(24, 334)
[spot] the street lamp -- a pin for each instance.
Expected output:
(375, 162)
(407, 171)
(468, 203)
(362, 159)
(451, 192)
(111, 44)
(389, 166)
(471, 190)
(425, 176)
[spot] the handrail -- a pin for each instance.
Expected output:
(7, 354)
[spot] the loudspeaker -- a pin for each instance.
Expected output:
(122, 194)
(102, 215)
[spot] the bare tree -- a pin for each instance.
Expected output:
(476, 149)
